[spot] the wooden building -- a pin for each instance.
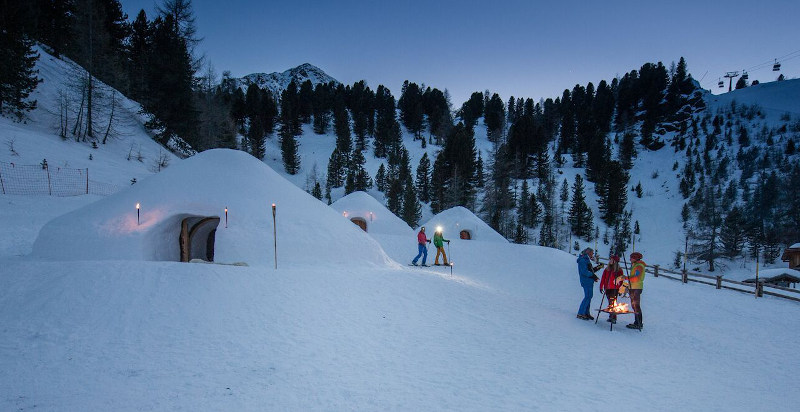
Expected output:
(792, 255)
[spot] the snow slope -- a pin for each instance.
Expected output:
(129, 152)
(498, 334)
(96, 323)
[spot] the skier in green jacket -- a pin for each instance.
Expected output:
(438, 241)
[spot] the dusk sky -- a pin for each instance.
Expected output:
(526, 49)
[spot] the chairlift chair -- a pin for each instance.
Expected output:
(721, 83)
(777, 66)
(744, 75)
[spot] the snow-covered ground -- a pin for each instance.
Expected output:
(499, 333)
(343, 323)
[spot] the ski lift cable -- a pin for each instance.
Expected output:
(768, 63)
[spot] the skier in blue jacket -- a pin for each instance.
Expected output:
(587, 277)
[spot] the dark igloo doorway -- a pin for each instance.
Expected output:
(197, 238)
(465, 235)
(360, 222)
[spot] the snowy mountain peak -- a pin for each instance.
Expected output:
(277, 82)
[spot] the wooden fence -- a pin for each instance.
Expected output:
(758, 289)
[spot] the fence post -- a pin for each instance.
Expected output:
(2, 184)
(655, 271)
(87, 180)
(685, 276)
(49, 185)
(719, 281)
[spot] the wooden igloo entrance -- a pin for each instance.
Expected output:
(197, 238)
(360, 222)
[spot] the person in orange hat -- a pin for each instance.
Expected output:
(636, 280)
(610, 285)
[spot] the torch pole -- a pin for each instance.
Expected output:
(757, 285)
(275, 236)
(226, 217)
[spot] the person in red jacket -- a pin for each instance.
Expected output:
(610, 285)
(422, 242)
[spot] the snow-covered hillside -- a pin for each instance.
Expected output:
(499, 333)
(98, 314)
(129, 152)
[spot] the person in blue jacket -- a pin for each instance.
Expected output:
(587, 277)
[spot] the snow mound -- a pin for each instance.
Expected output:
(378, 219)
(203, 187)
(459, 219)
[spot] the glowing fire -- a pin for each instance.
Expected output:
(618, 307)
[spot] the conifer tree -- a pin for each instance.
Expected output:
(289, 154)
(357, 173)
(321, 107)
(706, 242)
(494, 116)
(580, 215)
(387, 129)
(732, 233)
(411, 207)
(423, 178)
(564, 197)
(18, 77)
(472, 110)
(139, 43)
(479, 177)
(317, 191)
(411, 108)
(614, 195)
(523, 206)
(394, 196)
(169, 78)
(305, 102)
(381, 179)
(534, 211)
(290, 110)
(256, 132)
(627, 150)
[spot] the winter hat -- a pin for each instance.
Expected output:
(614, 258)
(636, 255)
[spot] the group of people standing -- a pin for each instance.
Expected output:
(422, 246)
(612, 280)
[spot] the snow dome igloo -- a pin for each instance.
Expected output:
(459, 223)
(370, 215)
(193, 196)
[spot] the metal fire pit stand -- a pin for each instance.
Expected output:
(606, 310)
